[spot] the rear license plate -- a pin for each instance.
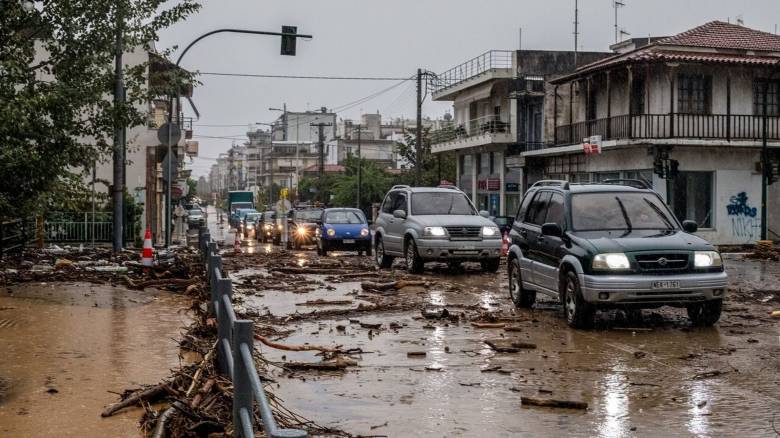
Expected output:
(467, 247)
(666, 284)
(349, 240)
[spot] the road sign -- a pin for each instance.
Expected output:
(284, 193)
(162, 134)
(283, 205)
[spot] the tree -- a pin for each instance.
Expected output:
(434, 167)
(374, 184)
(56, 71)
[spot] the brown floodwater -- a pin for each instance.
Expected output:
(66, 348)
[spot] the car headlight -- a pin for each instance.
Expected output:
(279, 227)
(267, 227)
(331, 232)
(301, 231)
(707, 259)
(492, 232)
(250, 226)
(434, 232)
(364, 232)
(611, 261)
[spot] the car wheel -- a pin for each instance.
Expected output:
(297, 245)
(706, 313)
(368, 249)
(520, 296)
(382, 260)
(414, 263)
(579, 313)
(491, 265)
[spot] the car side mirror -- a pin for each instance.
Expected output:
(399, 214)
(552, 229)
(484, 213)
(690, 226)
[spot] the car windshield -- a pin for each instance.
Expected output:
(344, 217)
(269, 215)
(620, 211)
(437, 203)
(308, 215)
(251, 217)
(501, 220)
(195, 213)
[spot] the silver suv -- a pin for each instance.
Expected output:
(425, 224)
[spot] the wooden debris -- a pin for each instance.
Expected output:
(394, 285)
(552, 403)
(321, 302)
(708, 374)
(488, 325)
(775, 314)
(507, 346)
(370, 326)
(177, 282)
(416, 354)
(286, 347)
(206, 360)
(148, 394)
(339, 363)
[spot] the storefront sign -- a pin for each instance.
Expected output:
(592, 144)
(512, 187)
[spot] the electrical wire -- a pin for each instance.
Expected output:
(323, 77)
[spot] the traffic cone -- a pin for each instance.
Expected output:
(505, 244)
(147, 254)
(237, 243)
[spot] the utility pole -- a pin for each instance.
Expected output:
(119, 158)
(360, 166)
(418, 139)
(321, 141)
(576, 30)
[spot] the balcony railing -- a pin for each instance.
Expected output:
(482, 125)
(664, 126)
(487, 61)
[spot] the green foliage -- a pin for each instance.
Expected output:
(55, 116)
(192, 186)
(374, 184)
(434, 167)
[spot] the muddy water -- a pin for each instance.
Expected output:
(640, 377)
(65, 346)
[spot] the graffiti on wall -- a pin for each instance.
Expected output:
(745, 222)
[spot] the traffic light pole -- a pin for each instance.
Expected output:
(289, 35)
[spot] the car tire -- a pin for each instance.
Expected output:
(521, 297)
(491, 265)
(706, 313)
(368, 249)
(579, 313)
(414, 263)
(297, 245)
(382, 260)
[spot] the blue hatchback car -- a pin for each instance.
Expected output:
(343, 229)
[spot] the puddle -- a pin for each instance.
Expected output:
(71, 346)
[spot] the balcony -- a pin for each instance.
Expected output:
(726, 127)
(493, 64)
(476, 132)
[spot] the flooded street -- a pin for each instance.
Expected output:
(653, 374)
(69, 347)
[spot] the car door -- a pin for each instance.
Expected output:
(519, 236)
(548, 252)
(396, 226)
(533, 231)
(385, 218)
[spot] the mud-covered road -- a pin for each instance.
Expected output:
(422, 373)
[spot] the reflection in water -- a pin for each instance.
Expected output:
(616, 404)
(485, 299)
(698, 422)
(436, 298)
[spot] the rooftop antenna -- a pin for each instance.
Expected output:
(520, 37)
(740, 21)
(617, 4)
(576, 29)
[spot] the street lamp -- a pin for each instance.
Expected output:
(289, 36)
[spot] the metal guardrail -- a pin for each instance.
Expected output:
(234, 351)
(487, 61)
(12, 237)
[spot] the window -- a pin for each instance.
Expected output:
(638, 94)
(387, 206)
(438, 203)
(524, 206)
(556, 212)
(492, 163)
(538, 209)
(758, 97)
(484, 163)
(694, 94)
(690, 197)
(400, 202)
(641, 175)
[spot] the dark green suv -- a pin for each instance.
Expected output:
(607, 245)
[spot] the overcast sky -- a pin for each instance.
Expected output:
(392, 39)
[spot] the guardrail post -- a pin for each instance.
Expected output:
(243, 333)
(224, 287)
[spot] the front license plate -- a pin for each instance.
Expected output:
(349, 240)
(666, 284)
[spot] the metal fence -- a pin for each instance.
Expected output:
(234, 351)
(14, 234)
(490, 60)
(84, 227)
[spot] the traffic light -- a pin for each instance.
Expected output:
(288, 41)
(658, 168)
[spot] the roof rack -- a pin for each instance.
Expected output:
(552, 182)
(635, 183)
(400, 186)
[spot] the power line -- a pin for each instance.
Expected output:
(337, 78)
